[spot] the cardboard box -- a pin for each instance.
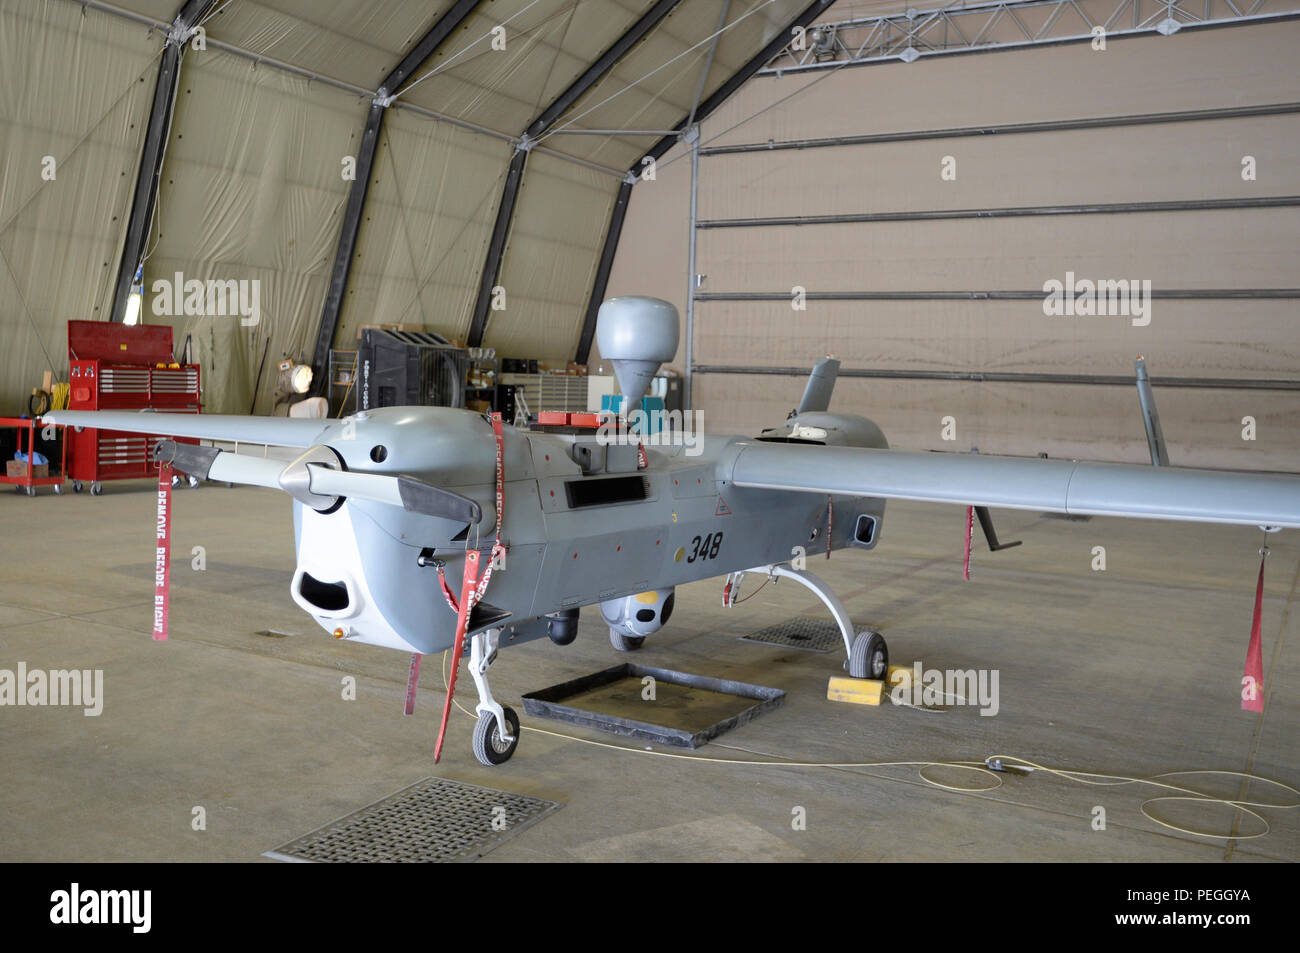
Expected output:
(18, 469)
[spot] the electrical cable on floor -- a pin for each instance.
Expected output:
(1020, 765)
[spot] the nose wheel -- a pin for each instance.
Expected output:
(496, 733)
(491, 746)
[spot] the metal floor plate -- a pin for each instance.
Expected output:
(801, 632)
(435, 820)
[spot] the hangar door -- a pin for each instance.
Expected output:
(924, 207)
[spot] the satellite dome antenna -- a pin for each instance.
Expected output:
(636, 334)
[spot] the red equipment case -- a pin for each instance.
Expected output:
(119, 367)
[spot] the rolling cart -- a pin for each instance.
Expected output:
(27, 480)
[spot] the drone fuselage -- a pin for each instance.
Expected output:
(582, 525)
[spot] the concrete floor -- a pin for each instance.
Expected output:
(1133, 671)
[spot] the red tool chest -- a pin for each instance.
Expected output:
(114, 366)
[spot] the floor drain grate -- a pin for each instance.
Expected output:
(435, 820)
(801, 632)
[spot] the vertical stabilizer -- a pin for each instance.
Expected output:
(821, 382)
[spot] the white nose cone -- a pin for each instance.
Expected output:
(636, 334)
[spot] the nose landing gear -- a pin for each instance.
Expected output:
(496, 733)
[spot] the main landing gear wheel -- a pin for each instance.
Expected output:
(870, 656)
(489, 747)
(625, 643)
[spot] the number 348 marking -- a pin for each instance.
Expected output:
(706, 548)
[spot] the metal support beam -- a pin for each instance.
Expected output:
(352, 212)
(981, 27)
(1014, 128)
(538, 127)
(496, 248)
(575, 131)
(145, 198)
(708, 63)
(1177, 294)
(692, 278)
(444, 27)
(347, 246)
(260, 59)
(603, 269)
(578, 88)
(741, 76)
(1207, 383)
(698, 114)
(1030, 211)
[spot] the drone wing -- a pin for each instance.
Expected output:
(1054, 486)
(280, 431)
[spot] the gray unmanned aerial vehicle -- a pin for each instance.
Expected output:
(569, 518)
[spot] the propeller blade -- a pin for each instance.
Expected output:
(412, 495)
(318, 480)
(420, 497)
(209, 463)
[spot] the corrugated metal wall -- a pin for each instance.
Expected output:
(1190, 250)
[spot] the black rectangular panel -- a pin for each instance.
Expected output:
(603, 491)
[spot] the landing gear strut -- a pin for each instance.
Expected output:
(867, 653)
(496, 733)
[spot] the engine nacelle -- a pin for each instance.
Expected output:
(639, 615)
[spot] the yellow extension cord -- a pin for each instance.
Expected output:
(1079, 777)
